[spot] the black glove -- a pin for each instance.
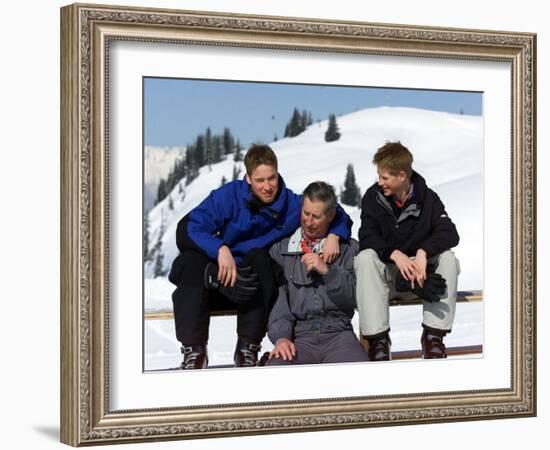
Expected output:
(246, 286)
(434, 286)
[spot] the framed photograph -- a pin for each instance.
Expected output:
(142, 86)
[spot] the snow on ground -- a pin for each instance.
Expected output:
(163, 350)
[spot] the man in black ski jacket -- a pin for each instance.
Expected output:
(405, 240)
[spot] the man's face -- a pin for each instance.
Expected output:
(391, 184)
(264, 182)
(314, 221)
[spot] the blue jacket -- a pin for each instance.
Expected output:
(232, 216)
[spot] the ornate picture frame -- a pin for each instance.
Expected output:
(87, 33)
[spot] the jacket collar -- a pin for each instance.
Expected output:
(294, 243)
(419, 188)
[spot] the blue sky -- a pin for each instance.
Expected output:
(177, 110)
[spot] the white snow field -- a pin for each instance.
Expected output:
(163, 350)
(448, 153)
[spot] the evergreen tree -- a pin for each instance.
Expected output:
(158, 268)
(146, 236)
(332, 133)
(294, 126)
(208, 139)
(217, 150)
(236, 172)
(200, 154)
(208, 148)
(192, 167)
(227, 141)
(238, 152)
(351, 194)
(179, 171)
(224, 181)
(170, 181)
(161, 190)
(298, 123)
(304, 121)
(170, 203)
(176, 174)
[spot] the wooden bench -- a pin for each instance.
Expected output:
(229, 310)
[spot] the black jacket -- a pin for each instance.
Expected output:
(421, 223)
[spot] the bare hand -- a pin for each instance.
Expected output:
(331, 248)
(420, 263)
(284, 348)
(312, 261)
(227, 275)
(405, 265)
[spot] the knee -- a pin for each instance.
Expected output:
(188, 267)
(448, 262)
(278, 362)
(366, 258)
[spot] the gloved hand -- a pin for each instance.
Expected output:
(434, 286)
(246, 286)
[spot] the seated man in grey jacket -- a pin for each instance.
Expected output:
(310, 322)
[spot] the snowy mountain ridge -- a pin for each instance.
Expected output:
(157, 163)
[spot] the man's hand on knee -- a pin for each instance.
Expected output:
(285, 349)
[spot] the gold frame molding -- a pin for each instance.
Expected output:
(86, 32)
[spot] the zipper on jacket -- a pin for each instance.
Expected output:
(384, 203)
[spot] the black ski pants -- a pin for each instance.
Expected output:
(193, 302)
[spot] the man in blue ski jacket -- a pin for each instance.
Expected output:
(223, 246)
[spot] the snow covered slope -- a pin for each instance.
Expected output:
(447, 151)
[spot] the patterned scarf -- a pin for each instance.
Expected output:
(312, 245)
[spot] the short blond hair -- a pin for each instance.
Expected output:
(394, 157)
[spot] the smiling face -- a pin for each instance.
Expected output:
(392, 184)
(264, 182)
(314, 220)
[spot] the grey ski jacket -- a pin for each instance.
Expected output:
(310, 301)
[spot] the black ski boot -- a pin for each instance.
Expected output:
(379, 347)
(194, 357)
(432, 343)
(246, 353)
